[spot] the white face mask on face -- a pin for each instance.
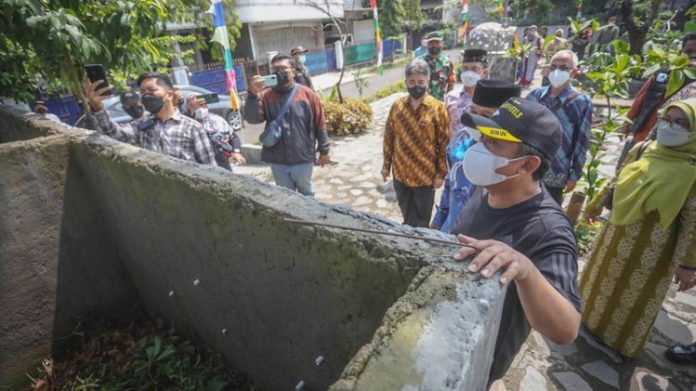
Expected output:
(470, 78)
(671, 135)
(558, 77)
(201, 113)
(480, 165)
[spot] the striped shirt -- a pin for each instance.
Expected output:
(179, 136)
(575, 115)
(415, 141)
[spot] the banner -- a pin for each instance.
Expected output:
(220, 37)
(378, 36)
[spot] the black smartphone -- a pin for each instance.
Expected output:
(95, 72)
(210, 98)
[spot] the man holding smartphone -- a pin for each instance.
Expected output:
(227, 144)
(302, 126)
(173, 134)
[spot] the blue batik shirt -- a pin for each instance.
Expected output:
(457, 189)
(574, 112)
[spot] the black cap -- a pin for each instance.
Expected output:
(475, 55)
(129, 98)
(494, 92)
(521, 121)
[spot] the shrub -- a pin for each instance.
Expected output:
(586, 233)
(351, 117)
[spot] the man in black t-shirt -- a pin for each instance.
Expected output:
(514, 225)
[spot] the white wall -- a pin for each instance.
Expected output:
(271, 11)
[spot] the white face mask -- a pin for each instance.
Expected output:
(671, 135)
(302, 58)
(480, 165)
(558, 77)
(201, 113)
(470, 78)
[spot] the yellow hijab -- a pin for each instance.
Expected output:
(660, 180)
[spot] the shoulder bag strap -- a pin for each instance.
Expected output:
(286, 104)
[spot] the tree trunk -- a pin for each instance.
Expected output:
(636, 34)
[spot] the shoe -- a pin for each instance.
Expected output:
(682, 354)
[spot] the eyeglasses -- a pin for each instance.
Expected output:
(279, 69)
(561, 67)
(680, 121)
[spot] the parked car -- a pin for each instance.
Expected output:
(222, 108)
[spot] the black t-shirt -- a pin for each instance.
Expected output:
(540, 230)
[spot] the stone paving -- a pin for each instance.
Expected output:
(354, 180)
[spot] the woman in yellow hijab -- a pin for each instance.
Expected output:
(650, 238)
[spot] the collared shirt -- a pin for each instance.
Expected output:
(415, 141)
(575, 115)
(179, 137)
(441, 75)
(457, 102)
(219, 130)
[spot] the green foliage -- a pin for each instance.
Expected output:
(391, 17)
(399, 86)
(586, 233)
(18, 71)
(674, 60)
(536, 11)
(415, 17)
(350, 117)
(360, 80)
(141, 356)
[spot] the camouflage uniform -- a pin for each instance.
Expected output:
(441, 75)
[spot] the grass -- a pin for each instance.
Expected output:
(399, 86)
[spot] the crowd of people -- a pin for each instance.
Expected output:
(505, 163)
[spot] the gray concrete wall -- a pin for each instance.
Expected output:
(210, 252)
(50, 274)
(16, 126)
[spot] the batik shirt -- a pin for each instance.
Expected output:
(441, 75)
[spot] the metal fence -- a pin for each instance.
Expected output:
(365, 52)
(215, 81)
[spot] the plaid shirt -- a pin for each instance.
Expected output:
(220, 131)
(179, 137)
(575, 116)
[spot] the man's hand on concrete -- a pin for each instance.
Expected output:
(438, 182)
(96, 100)
(257, 85)
(494, 255)
(323, 160)
(385, 174)
(237, 158)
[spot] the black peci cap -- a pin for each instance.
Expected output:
(475, 55)
(494, 92)
(521, 121)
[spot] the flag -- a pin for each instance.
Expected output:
(220, 37)
(378, 36)
(465, 18)
(501, 8)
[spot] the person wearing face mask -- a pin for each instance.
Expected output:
(574, 111)
(513, 225)
(172, 133)
(415, 139)
(41, 110)
(530, 60)
(302, 126)
(649, 239)
(227, 144)
(301, 72)
(441, 68)
(652, 96)
(488, 96)
(474, 67)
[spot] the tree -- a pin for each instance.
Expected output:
(392, 17)
(638, 16)
(415, 17)
(56, 38)
(534, 11)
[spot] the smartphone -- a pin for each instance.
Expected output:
(95, 72)
(210, 98)
(270, 80)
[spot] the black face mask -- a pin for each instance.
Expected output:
(135, 111)
(152, 103)
(283, 77)
(416, 92)
(435, 50)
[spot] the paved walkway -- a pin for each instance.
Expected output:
(584, 365)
